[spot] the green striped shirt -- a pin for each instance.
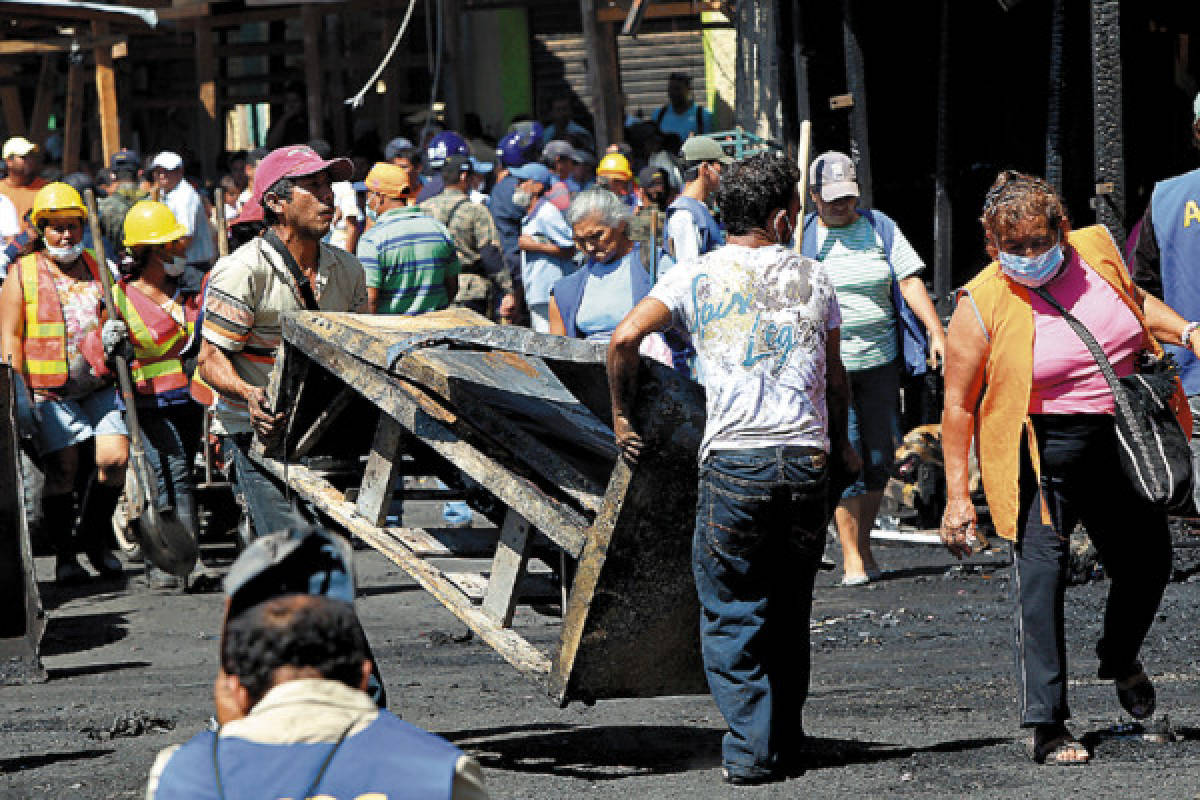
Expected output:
(407, 257)
(858, 267)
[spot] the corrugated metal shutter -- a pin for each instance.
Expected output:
(560, 65)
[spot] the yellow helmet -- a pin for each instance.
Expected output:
(150, 222)
(56, 198)
(614, 165)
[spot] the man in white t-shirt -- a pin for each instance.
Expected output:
(764, 321)
(188, 207)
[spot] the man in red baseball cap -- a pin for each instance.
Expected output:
(288, 268)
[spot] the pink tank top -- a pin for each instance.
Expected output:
(1066, 379)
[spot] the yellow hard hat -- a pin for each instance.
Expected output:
(56, 198)
(614, 165)
(150, 222)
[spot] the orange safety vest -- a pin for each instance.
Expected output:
(1003, 413)
(45, 340)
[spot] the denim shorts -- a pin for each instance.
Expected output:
(874, 426)
(63, 423)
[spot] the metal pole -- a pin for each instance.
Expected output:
(860, 152)
(1108, 132)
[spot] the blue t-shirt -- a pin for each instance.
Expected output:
(540, 272)
(683, 124)
(607, 296)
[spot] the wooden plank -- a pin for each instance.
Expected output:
(448, 542)
(508, 567)
(10, 103)
(313, 22)
(106, 93)
(433, 495)
(617, 14)
(510, 645)
(73, 128)
(473, 585)
(208, 131)
(323, 423)
(379, 480)
(43, 100)
(439, 430)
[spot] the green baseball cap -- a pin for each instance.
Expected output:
(703, 148)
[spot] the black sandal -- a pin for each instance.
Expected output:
(1055, 746)
(1136, 694)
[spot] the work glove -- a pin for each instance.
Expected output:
(114, 337)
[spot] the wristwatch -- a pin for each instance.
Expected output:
(1186, 336)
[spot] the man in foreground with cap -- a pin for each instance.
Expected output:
(293, 694)
(547, 243)
(864, 253)
(691, 230)
(483, 280)
(125, 192)
(22, 183)
(409, 258)
(286, 269)
(187, 206)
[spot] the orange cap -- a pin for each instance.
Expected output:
(390, 180)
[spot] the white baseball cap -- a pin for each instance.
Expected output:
(18, 146)
(167, 160)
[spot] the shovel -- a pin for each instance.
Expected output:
(166, 541)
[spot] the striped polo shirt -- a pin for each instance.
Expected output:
(856, 262)
(408, 256)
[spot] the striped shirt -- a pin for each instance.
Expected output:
(408, 256)
(248, 292)
(854, 258)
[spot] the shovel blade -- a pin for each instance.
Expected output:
(166, 541)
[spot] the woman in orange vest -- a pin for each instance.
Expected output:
(158, 308)
(1022, 381)
(48, 306)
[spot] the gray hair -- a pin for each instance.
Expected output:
(611, 209)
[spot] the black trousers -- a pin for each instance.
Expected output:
(1081, 481)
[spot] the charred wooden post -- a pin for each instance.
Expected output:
(1108, 132)
(856, 86)
(106, 91)
(759, 108)
(604, 75)
(943, 241)
(208, 132)
(1054, 127)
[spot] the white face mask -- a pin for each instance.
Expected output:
(521, 198)
(175, 266)
(65, 255)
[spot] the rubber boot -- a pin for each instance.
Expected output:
(95, 527)
(58, 525)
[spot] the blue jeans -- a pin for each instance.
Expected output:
(760, 531)
(874, 425)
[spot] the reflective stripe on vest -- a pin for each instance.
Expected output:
(157, 338)
(45, 340)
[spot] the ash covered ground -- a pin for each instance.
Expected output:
(913, 695)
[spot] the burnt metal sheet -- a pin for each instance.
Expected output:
(23, 621)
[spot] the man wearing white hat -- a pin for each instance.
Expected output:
(185, 203)
(22, 182)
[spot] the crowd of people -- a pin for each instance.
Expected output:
(794, 325)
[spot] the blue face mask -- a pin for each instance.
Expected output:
(1032, 271)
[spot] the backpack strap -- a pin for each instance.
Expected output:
(271, 239)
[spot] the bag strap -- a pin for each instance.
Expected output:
(1093, 346)
(306, 292)
(454, 210)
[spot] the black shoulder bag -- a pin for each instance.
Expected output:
(298, 276)
(1151, 445)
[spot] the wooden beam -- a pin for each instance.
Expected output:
(10, 103)
(313, 22)
(106, 93)
(25, 47)
(43, 99)
(208, 134)
(73, 127)
(508, 567)
(617, 14)
(382, 472)
(336, 69)
(604, 75)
